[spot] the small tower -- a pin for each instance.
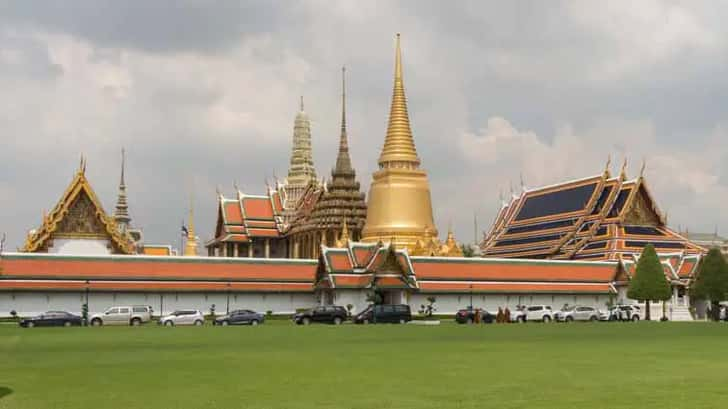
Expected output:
(191, 244)
(121, 213)
(301, 171)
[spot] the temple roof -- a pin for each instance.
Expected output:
(594, 218)
(360, 265)
(248, 216)
(78, 215)
(154, 273)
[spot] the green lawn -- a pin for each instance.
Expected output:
(278, 365)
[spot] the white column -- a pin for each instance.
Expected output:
(250, 249)
(235, 249)
(267, 248)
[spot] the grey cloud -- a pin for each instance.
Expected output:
(202, 94)
(156, 26)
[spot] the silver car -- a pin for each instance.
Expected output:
(577, 313)
(183, 317)
(130, 315)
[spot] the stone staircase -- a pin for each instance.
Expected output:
(673, 312)
(680, 313)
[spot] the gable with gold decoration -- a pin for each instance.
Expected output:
(78, 215)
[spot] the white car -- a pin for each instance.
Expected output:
(131, 315)
(541, 313)
(578, 313)
(518, 315)
(628, 312)
(183, 317)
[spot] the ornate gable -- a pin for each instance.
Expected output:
(78, 214)
(82, 219)
(641, 210)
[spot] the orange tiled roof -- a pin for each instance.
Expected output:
(233, 215)
(248, 217)
(428, 268)
(511, 287)
(258, 208)
(19, 266)
(154, 286)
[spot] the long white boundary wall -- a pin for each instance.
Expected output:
(27, 303)
(32, 303)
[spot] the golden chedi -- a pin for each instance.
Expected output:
(399, 206)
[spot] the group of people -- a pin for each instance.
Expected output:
(503, 315)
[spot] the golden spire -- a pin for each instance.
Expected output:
(399, 204)
(399, 146)
(191, 245)
(344, 238)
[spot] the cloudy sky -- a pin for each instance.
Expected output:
(203, 94)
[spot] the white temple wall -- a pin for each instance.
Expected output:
(450, 303)
(357, 298)
(86, 247)
(33, 303)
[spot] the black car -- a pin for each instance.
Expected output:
(240, 317)
(467, 316)
(52, 319)
(384, 314)
(331, 314)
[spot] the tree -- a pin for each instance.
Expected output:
(649, 282)
(375, 297)
(468, 251)
(711, 283)
(429, 309)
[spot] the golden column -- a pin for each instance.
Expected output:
(191, 244)
(399, 206)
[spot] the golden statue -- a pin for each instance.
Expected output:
(399, 203)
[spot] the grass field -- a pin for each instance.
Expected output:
(278, 365)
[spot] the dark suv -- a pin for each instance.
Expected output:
(384, 314)
(467, 316)
(331, 314)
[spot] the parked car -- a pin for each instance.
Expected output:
(577, 313)
(329, 314)
(183, 317)
(51, 319)
(384, 314)
(518, 314)
(467, 316)
(131, 315)
(541, 313)
(622, 313)
(240, 317)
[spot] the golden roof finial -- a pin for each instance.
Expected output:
(399, 145)
(82, 165)
(609, 163)
(301, 103)
(642, 169)
(623, 171)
